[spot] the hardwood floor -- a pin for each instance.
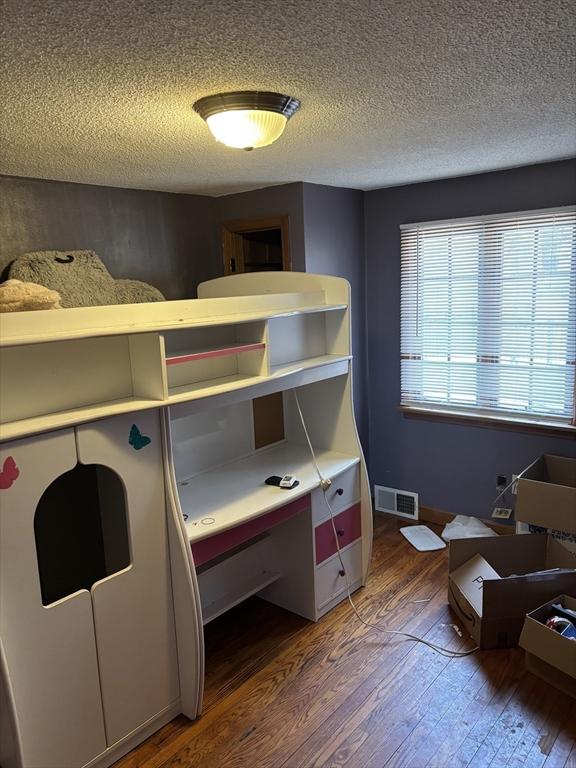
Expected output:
(284, 693)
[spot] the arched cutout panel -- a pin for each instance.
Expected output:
(81, 530)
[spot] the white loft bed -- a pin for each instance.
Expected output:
(196, 530)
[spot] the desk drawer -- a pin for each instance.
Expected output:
(329, 579)
(344, 491)
(348, 528)
(207, 549)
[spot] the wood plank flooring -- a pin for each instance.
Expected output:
(285, 693)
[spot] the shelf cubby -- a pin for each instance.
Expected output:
(196, 357)
(79, 377)
(232, 579)
(307, 336)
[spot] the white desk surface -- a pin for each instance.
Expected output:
(235, 493)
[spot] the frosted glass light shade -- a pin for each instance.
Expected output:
(247, 119)
(247, 128)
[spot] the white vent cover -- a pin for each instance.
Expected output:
(395, 502)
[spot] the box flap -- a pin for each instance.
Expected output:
(557, 556)
(513, 554)
(561, 470)
(534, 506)
(546, 494)
(470, 577)
(535, 471)
(542, 611)
(557, 470)
(517, 596)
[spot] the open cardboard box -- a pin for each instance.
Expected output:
(546, 494)
(492, 594)
(548, 654)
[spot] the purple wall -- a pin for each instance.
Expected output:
(334, 244)
(327, 237)
(173, 241)
(453, 467)
(167, 240)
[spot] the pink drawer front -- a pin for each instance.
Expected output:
(208, 549)
(348, 527)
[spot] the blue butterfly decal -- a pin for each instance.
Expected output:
(137, 440)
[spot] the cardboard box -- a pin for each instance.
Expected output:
(546, 493)
(470, 579)
(495, 617)
(548, 654)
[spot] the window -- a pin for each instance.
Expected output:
(488, 320)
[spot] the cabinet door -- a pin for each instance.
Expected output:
(50, 652)
(133, 613)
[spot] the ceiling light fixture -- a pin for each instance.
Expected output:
(246, 119)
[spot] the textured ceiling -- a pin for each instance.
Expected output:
(392, 92)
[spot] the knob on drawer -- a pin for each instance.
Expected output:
(341, 572)
(340, 532)
(339, 491)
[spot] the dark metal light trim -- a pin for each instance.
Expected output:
(264, 100)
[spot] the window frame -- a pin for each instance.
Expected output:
(496, 417)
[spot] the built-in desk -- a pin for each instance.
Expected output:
(227, 496)
(246, 535)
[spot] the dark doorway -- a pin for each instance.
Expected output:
(256, 245)
(81, 531)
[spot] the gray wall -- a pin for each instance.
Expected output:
(167, 240)
(453, 467)
(174, 241)
(334, 245)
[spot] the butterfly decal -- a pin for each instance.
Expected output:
(137, 440)
(8, 474)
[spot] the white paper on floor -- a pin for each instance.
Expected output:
(421, 537)
(463, 527)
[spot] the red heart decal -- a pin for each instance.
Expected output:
(8, 474)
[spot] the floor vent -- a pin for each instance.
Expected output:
(395, 502)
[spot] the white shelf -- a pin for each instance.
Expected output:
(12, 430)
(75, 365)
(285, 369)
(247, 589)
(202, 389)
(235, 493)
(85, 322)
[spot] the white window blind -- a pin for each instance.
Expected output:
(488, 315)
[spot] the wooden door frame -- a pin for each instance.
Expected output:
(232, 232)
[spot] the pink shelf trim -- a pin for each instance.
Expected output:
(207, 549)
(213, 353)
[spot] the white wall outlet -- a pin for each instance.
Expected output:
(501, 513)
